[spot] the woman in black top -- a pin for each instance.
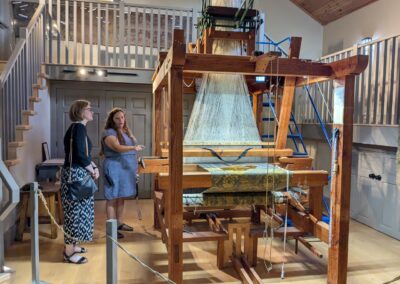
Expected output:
(78, 214)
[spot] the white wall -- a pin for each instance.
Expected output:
(377, 20)
(31, 153)
(283, 18)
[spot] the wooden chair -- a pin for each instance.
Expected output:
(51, 191)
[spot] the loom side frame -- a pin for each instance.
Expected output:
(171, 72)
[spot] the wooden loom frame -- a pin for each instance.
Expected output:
(176, 65)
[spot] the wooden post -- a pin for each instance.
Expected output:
(341, 186)
(315, 201)
(288, 95)
(174, 194)
(165, 103)
(257, 110)
(251, 42)
(156, 140)
(207, 40)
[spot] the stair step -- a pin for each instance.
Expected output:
(17, 144)
(298, 154)
(39, 87)
(267, 136)
(268, 119)
(35, 99)
(267, 104)
(29, 112)
(11, 163)
(23, 127)
(293, 136)
(43, 75)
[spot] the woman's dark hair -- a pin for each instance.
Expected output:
(110, 124)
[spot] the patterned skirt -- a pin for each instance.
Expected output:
(78, 214)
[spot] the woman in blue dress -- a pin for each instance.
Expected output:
(119, 148)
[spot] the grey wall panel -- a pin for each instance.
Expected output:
(134, 99)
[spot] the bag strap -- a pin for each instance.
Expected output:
(70, 151)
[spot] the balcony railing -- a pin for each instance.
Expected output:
(377, 99)
(113, 34)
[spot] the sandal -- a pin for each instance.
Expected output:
(69, 259)
(82, 250)
(125, 227)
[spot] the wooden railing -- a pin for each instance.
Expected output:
(112, 34)
(377, 99)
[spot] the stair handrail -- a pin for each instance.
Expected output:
(277, 44)
(20, 44)
(321, 123)
(7, 207)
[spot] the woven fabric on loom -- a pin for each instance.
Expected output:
(242, 184)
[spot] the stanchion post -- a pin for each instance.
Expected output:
(112, 265)
(34, 233)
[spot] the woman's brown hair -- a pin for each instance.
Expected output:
(76, 110)
(110, 124)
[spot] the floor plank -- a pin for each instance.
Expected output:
(373, 257)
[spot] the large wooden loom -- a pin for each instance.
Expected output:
(173, 177)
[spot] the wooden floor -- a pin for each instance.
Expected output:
(373, 257)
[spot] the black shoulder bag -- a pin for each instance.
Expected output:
(84, 187)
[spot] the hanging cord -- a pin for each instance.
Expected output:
(334, 167)
(268, 266)
(131, 255)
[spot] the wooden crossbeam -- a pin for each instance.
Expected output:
(230, 35)
(212, 63)
(202, 179)
(353, 65)
(256, 152)
(263, 61)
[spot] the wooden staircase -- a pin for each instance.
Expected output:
(15, 147)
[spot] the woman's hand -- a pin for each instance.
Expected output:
(138, 147)
(96, 173)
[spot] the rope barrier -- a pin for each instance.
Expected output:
(131, 255)
(43, 199)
